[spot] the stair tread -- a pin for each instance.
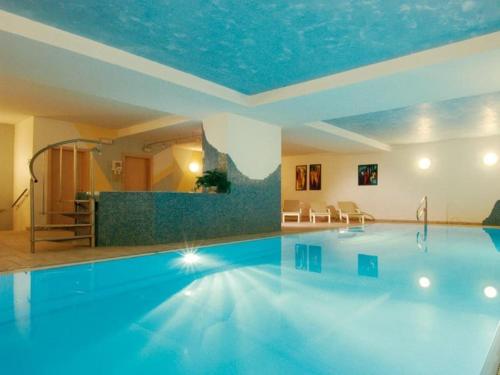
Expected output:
(62, 225)
(63, 238)
(69, 213)
(76, 200)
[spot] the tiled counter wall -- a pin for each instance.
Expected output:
(146, 218)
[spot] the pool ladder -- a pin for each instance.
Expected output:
(422, 211)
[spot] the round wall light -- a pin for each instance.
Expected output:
(490, 292)
(194, 167)
(490, 158)
(424, 163)
(424, 282)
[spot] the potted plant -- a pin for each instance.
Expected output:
(214, 181)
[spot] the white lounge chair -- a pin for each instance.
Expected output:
(319, 209)
(350, 210)
(291, 208)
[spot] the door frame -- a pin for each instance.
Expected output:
(138, 156)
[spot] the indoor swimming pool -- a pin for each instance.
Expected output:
(380, 299)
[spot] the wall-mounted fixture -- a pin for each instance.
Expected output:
(194, 167)
(164, 144)
(424, 163)
(490, 159)
(117, 167)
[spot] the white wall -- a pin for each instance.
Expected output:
(254, 146)
(6, 175)
(171, 169)
(460, 187)
(23, 150)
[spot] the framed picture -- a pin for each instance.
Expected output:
(301, 177)
(315, 177)
(368, 174)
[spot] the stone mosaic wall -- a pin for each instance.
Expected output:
(146, 218)
(494, 218)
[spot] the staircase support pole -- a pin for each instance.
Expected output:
(32, 215)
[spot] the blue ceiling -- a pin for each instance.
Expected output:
(474, 116)
(255, 46)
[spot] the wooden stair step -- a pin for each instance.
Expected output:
(77, 201)
(60, 226)
(69, 213)
(63, 238)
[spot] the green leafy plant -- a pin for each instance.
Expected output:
(213, 179)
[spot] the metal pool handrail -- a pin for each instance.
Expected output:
(422, 209)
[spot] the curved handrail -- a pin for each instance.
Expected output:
(422, 209)
(76, 140)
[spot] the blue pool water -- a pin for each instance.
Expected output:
(378, 300)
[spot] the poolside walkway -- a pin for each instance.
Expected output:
(15, 254)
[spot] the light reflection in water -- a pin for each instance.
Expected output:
(22, 301)
(424, 282)
(490, 292)
(308, 258)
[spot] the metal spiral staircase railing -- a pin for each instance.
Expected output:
(83, 213)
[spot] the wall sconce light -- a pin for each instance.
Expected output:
(490, 159)
(194, 167)
(424, 163)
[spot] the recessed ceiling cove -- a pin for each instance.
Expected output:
(256, 46)
(474, 116)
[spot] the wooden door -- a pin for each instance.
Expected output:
(61, 190)
(137, 173)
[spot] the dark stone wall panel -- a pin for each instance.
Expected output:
(147, 218)
(494, 218)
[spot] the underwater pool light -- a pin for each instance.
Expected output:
(194, 167)
(190, 258)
